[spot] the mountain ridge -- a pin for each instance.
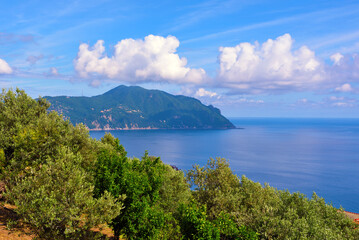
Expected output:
(133, 107)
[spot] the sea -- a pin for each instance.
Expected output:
(300, 155)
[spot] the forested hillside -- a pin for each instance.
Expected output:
(137, 108)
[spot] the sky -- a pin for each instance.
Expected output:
(278, 58)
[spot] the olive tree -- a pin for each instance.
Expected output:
(29, 135)
(57, 200)
(216, 186)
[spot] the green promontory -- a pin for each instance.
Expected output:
(138, 108)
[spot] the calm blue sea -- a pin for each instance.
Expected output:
(306, 155)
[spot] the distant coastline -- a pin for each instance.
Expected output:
(153, 128)
(126, 128)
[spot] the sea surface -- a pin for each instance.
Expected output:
(306, 155)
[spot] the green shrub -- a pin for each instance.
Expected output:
(174, 190)
(17, 110)
(57, 200)
(140, 181)
(216, 186)
(194, 224)
(271, 213)
(281, 215)
(29, 135)
(230, 231)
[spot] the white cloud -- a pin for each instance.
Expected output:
(344, 88)
(151, 59)
(4, 67)
(271, 66)
(204, 93)
(336, 58)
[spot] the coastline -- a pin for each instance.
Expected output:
(153, 128)
(125, 128)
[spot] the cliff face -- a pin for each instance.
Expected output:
(138, 108)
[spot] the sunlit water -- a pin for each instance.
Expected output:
(305, 155)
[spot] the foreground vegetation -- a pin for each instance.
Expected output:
(64, 183)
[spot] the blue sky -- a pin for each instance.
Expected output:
(249, 58)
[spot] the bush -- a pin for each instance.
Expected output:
(57, 200)
(194, 224)
(216, 186)
(17, 110)
(281, 215)
(140, 181)
(174, 190)
(230, 231)
(271, 213)
(29, 135)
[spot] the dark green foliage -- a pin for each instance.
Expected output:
(110, 167)
(2, 158)
(135, 107)
(230, 231)
(140, 181)
(57, 200)
(171, 229)
(194, 223)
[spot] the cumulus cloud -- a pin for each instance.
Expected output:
(151, 59)
(344, 88)
(204, 93)
(4, 67)
(269, 67)
(274, 66)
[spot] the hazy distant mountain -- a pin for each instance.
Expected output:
(136, 108)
